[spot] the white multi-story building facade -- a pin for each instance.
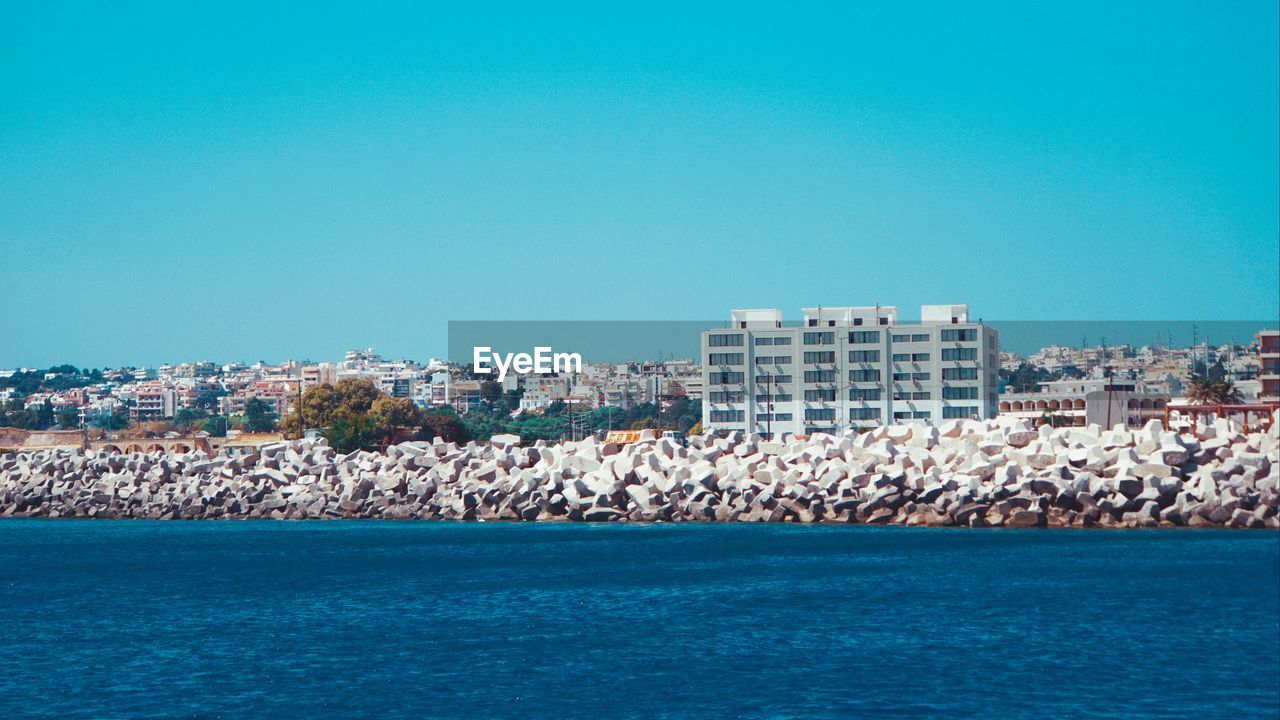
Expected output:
(847, 368)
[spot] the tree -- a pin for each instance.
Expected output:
(490, 390)
(1207, 391)
(355, 431)
(119, 418)
(216, 426)
(69, 418)
(44, 416)
(355, 414)
(444, 424)
(185, 418)
(324, 404)
(258, 416)
(396, 412)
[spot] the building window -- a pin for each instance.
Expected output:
(921, 395)
(902, 377)
(951, 413)
(819, 376)
(726, 396)
(773, 379)
(820, 338)
(864, 376)
(775, 417)
(921, 337)
(820, 414)
(920, 377)
(864, 413)
(900, 338)
(964, 373)
(864, 356)
(865, 394)
(782, 341)
(723, 416)
(724, 378)
(902, 357)
(959, 393)
(820, 356)
(864, 337)
(724, 341)
(959, 354)
(725, 359)
(884, 321)
(764, 341)
(959, 334)
(857, 321)
(774, 398)
(919, 357)
(820, 395)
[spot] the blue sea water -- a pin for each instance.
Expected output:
(438, 620)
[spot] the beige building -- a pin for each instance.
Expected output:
(1078, 403)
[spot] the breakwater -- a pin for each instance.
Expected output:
(967, 473)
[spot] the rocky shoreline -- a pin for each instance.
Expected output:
(960, 473)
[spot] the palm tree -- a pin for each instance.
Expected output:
(1204, 391)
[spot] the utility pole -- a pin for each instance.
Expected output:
(657, 396)
(1110, 386)
(1193, 349)
(301, 427)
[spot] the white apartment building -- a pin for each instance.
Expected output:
(322, 374)
(153, 402)
(847, 367)
(540, 392)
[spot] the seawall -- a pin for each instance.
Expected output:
(959, 473)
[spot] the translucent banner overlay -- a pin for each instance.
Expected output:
(619, 341)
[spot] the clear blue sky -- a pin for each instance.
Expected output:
(233, 182)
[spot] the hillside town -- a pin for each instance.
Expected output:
(1068, 385)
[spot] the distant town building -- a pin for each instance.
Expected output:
(153, 401)
(1269, 372)
(280, 395)
(322, 374)
(463, 395)
(847, 367)
(1078, 403)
